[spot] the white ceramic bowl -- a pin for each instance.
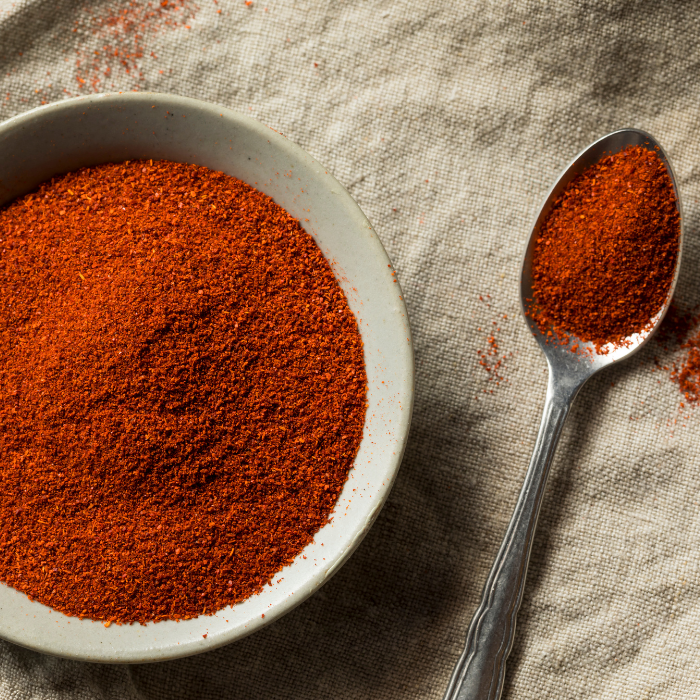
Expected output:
(116, 127)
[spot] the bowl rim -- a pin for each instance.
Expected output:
(279, 142)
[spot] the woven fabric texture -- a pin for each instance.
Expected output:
(447, 122)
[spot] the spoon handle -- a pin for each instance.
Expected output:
(480, 671)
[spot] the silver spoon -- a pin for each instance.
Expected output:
(480, 671)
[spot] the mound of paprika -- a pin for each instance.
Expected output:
(182, 391)
(606, 254)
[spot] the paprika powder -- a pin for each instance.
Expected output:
(686, 373)
(182, 392)
(605, 258)
(679, 332)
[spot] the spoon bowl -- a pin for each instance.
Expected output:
(560, 353)
(480, 671)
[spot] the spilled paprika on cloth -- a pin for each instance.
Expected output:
(686, 373)
(605, 257)
(182, 391)
(681, 326)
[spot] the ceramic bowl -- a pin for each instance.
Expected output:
(114, 127)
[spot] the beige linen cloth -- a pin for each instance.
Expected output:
(447, 122)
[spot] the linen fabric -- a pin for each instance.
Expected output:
(448, 123)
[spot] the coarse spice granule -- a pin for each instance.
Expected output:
(182, 392)
(605, 257)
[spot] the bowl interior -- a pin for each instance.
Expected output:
(86, 131)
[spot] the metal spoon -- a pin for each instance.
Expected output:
(480, 671)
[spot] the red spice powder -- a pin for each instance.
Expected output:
(678, 341)
(679, 332)
(491, 360)
(115, 38)
(182, 391)
(687, 372)
(606, 254)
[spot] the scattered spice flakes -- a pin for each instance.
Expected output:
(490, 357)
(605, 257)
(687, 373)
(678, 342)
(176, 426)
(116, 38)
(679, 332)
